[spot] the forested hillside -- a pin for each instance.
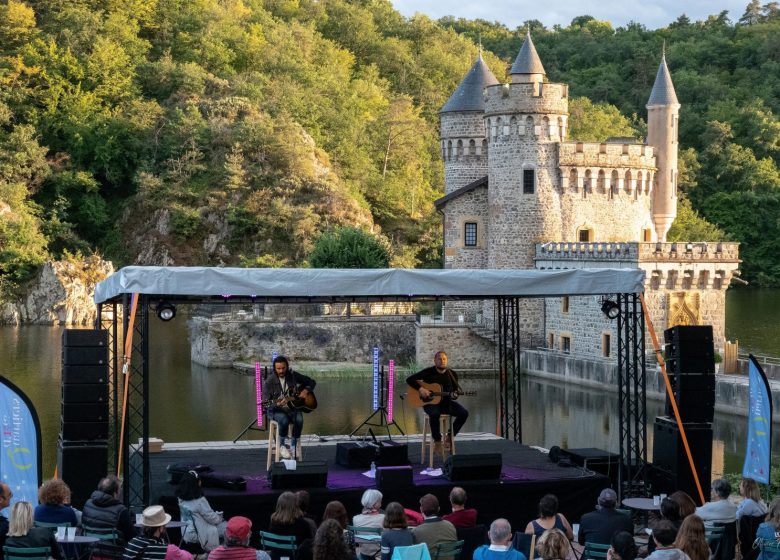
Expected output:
(238, 131)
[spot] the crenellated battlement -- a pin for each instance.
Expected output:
(607, 154)
(527, 98)
(679, 252)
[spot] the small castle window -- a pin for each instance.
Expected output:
(565, 344)
(470, 234)
(606, 344)
(472, 148)
(647, 235)
(565, 304)
(529, 181)
(585, 235)
(551, 341)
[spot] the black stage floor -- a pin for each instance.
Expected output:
(526, 475)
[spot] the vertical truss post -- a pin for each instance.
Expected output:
(632, 397)
(106, 319)
(508, 310)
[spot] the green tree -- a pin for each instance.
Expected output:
(595, 122)
(349, 247)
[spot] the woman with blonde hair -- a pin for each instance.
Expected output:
(767, 531)
(751, 504)
(54, 504)
(691, 538)
(22, 533)
(553, 545)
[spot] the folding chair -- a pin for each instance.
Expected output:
(447, 550)
(595, 551)
(32, 553)
(280, 543)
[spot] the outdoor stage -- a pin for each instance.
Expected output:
(526, 475)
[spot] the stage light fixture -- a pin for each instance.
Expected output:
(166, 311)
(610, 309)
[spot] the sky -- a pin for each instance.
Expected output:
(652, 14)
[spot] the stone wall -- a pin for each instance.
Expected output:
(470, 207)
(465, 349)
(463, 149)
(219, 343)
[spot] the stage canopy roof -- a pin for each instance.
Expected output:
(313, 285)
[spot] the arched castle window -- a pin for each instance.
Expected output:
(449, 149)
(472, 147)
(601, 182)
(640, 178)
(546, 127)
(460, 148)
(529, 180)
(484, 148)
(573, 179)
(513, 125)
(499, 126)
(614, 183)
(561, 128)
(627, 180)
(529, 125)
(588, 185)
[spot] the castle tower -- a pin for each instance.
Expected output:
(662, 130)
(463, 142)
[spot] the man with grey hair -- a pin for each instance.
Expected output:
(600, 526)
(719, 509)
(500, 547)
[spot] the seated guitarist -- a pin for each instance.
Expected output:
(287, 382)
(439, 373)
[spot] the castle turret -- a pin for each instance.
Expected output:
(463, 139)
(662, 123)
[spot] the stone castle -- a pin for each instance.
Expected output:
(520, 194)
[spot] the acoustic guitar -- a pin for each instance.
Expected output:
(295, 402)
(414, 399)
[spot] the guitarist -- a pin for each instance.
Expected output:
(287, 382)
(448, 379)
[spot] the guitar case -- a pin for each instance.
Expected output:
(226, 481)
(176, 470)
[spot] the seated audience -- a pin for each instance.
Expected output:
(151, 544)
(5, 501)
(329, 542)
(372, 516)
(623, 547)
(719, 508)
(500, 547)
(768, 531)
(664, 535)
(104, 510)
(396, 530)
(600, 526)
(204, 525)
(670, 510)
(554, 545)
(22, 533)
(433, 530)
(686, 503)
(460, 516)
(751, 504)
(238, 532)
(288, 519)
(336, 510)
(54, 504)
(691, 538)
(303, 503)
(549, 518)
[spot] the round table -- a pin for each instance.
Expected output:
(643, 504)
(78, 539)
(169, 525)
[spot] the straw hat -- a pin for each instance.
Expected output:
(155, 516)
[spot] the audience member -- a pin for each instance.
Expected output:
(22, 533)
(600, 526)
(303, 503)
(460, 516)
(173, 552)
(623, 547)
(554, 545)
(549, 518)
(238, 531)
(372, 516)
(54, 504)
(336, 510)
(719, 508)
(751, 504)
(500, 547)
(104, 510)
(5, 501)
(670, 510)
(204, 525)
(691, 538)
(287, 519)
(329, 542)
(396, 530)
(151, 543)
(686, 503)
(769, 529)
(664, 534)
(433, 530)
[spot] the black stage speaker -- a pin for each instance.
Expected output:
(392, 478)
(85, 393)
(84, 412)
(690, 360)
(85, 337)
(596, 460)
(307, 474)
(392, 454)
(84, 374)
(84, 385)
(671, 470)
(355, 455)
(482, 466)
(81, 465)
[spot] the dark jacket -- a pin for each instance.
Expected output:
(55, 514)
(298, 381)
(3, 530)
(599, 526)
(106, 512)
(36, 537)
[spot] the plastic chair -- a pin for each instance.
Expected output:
(413, 552)
(284, 544)
(32, 553)
(109, 547)
(524, 543)
(447, 550)
(362, 535)
(47, 525)
(594, 551)
(445, 427)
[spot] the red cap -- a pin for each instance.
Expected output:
(238, 527)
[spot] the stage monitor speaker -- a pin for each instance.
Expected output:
(670, 459)
(85, 393)
(85, 374)
(392, 478)
(81, 465)
(392, 454)
(307, 474)
(355, 455)
(482, 466)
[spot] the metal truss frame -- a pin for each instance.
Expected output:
(509, 345)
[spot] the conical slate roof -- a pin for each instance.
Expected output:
(468, 95)
(527, 61)
(663, 88)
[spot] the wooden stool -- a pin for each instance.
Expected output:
(445, 427)
(274, 444)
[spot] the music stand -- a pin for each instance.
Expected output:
(381, 411)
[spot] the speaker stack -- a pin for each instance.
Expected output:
(690, 360)
(82, 449)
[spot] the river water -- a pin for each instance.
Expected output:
(192, 403)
